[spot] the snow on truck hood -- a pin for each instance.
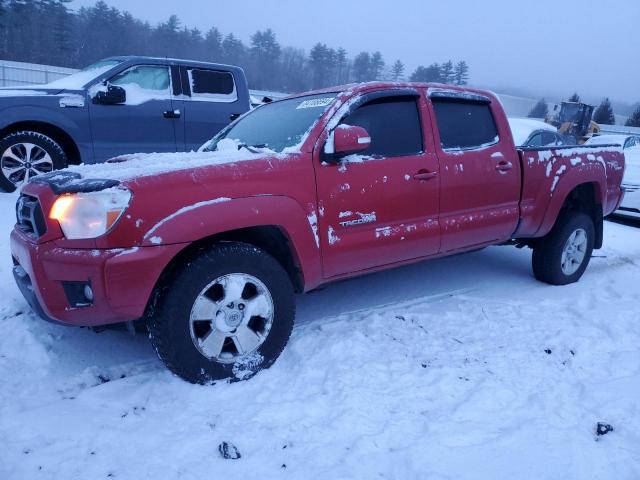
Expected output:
(96, 177)
(138, 165)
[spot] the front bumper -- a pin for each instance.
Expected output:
(122, 280)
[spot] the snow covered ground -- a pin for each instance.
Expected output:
(459, 368)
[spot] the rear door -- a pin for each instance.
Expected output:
(210, 100)
(374, 208)
(141, 124)
(479, 171)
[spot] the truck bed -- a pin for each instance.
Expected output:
(549, 173)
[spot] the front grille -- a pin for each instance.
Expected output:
(29, 216)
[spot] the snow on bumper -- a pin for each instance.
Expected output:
(121, 280)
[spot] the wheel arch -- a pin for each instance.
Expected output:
(60, 136)
(585, 197)
(270, 238)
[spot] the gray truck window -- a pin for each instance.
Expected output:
(212, 85)
(147, 77)
(549, 138)
(464, 124)
(535, 141)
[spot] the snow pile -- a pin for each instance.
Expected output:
(459, 368)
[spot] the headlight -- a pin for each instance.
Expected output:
(89, 215)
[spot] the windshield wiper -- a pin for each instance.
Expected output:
(252, 148)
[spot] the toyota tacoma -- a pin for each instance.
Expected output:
(208, 248)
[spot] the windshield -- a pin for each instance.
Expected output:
(277, 125)
(77, 80)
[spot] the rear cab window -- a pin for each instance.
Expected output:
(464, 122)
(212, 85)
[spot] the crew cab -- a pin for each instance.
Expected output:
(115, 106)
(208, 248)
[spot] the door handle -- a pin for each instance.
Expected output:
(504, 165)
(172, 113)
(423, 175)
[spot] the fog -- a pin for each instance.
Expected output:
(544, 47)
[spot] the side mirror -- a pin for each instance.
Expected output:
(113, 96)
(350, 139)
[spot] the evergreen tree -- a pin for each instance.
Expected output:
(233, 50)
(213, 45)
(342, 66)
(293, 70)
(376, 66)
(461, 73)
(265, 54)
(397, 71)
(604, 113)
(427, 74)
(362, 67)
(49, 32)
(574, 98)
(634, 119)
(320, 64)
(447, 72)
(539, 110)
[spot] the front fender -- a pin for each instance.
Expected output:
(74, 121)
(204, 219)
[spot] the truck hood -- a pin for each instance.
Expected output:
(129, 168)
(32, 91)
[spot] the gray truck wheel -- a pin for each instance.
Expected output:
(227, 314)
(27, 154)
(563, 255)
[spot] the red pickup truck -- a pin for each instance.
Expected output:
(209, 247)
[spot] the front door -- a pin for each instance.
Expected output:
(479, 171)
(380, 206)
(144, 123)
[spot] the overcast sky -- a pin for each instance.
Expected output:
(550, 47)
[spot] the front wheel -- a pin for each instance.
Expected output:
(563, 255)
(27, 154)
(226, 315)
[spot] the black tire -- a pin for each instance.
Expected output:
(12, 141)
(168, 318)
(547, 254)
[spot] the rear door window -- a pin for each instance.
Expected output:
(393, 124)
(464, 124)
(549, 138)
(213, 85)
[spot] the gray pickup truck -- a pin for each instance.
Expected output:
(115, 106)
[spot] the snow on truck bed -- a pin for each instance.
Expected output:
(458, 368)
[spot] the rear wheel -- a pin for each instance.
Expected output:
(25, 155)
(227, 314)
(563, 255)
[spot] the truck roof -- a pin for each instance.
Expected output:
(377, 85)
(175, 61)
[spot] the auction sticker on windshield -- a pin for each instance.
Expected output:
(315, 103)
